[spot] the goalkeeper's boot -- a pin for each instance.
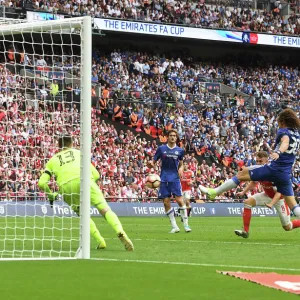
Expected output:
(187, 228)
(211, 193)
(101, 245)
(126, 241)
(175, 230)
(244, 234)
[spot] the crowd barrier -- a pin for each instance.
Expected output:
(127, 209)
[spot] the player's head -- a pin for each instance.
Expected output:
(262, 157)
(65, 141)
(173, 136)
(288, 118)
(185, 166)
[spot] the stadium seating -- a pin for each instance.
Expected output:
(196, 14)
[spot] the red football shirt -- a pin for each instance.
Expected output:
(187, 177)
(268, 188)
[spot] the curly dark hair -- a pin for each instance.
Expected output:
(289, 118)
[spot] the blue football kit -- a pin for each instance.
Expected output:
(280, 171)
(170, 181)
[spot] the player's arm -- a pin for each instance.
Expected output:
(275, 199)
(151, 163)
(180, 168)
(248, 187)
(284, 145)
(180, 165)
(192, 180)
(95, 173)
(44, 183)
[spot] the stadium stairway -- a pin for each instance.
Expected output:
(142, 134)
(120, 126)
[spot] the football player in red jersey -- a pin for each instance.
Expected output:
(187, 180)
(269, 195)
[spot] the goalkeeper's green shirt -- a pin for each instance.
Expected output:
(65, 166)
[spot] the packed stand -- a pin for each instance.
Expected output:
(120, 157)
(189, 13)
(224, 131)
(154, 78)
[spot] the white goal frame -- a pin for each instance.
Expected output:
(84, 24)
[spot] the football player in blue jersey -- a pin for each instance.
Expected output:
(171, 157)
(279, 170)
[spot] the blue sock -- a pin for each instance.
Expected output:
(235, 179)
(227, 185)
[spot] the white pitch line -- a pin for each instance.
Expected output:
(193, 264)
(215, 242)
(19, 237)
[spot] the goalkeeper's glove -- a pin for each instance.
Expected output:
(52, 197)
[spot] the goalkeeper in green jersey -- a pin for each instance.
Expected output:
(65, 167)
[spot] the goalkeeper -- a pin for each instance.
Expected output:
(65, 167)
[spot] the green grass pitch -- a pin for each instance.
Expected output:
(163, 266)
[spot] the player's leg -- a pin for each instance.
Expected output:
(171, 214)
(188, 208)
(98, 200)
(247, 174)
(164, 194)
(187, 201)
(247, 214)
(285, 187)
(284, 215)
(293, 205)
(71, 195)
(186, 197)
(175, 189)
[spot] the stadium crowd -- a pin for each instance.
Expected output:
(159, 78)
(190, 13)
(150, 94)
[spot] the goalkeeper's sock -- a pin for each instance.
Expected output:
(113, 220)
(247, 216)
(95, 232)
(227, 185)
(295, 224)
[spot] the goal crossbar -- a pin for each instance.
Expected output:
(43, 26)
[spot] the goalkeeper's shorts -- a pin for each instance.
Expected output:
(71, 195)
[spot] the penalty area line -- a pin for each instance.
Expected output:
(193, 264)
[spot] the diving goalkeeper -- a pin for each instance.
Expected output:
(65, 167)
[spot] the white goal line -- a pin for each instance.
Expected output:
(49, 237)
(193, 264)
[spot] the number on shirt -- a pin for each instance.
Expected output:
(294, 145)
(66, 158)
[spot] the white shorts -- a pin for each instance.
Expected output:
(281, 207)
(186, 195)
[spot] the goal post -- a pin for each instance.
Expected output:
(85, 140)
(46, 67)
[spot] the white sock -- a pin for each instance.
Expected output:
(183, 213)
(296, 211)
(226, 186)
(170, 213)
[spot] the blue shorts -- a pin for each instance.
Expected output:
(167, 189)
(282, 180)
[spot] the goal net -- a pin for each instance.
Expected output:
(45, 92)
